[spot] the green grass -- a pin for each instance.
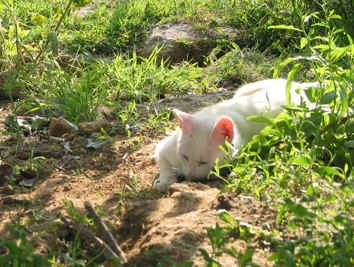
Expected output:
(301, 164)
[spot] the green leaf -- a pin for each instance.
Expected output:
(338, 53)
(328, 97)
(303, 42)
(6, 4)
(336, 16)
(38, 19)
(310, 190)
(285, 27)
(331, 199)
(302, 160)
(246, 258)
(81, 3)
(282, 65)
(207, 258)
(349, 144)
(329, 171)
(2, 6)
(322, 47)
(291, 77)
(281, 214)
(298, 209)
(261, 119)
(226, 217)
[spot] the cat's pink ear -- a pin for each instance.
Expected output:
(185, 121)
(223, 129)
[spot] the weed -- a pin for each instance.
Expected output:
(220, 236)
(145, 79)
(20, 251)
(303, 161)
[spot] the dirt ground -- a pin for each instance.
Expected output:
(116, 179)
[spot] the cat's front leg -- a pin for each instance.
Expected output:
(167, 176)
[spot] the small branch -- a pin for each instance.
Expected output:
(8, 200)
(107, 251)
(107, 235)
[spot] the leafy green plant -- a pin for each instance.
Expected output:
(19, 251)
(239, 66)
(132, 19)
(219, 237)
(146, 79)
(303, 161)
(77, 98)
(317, 244)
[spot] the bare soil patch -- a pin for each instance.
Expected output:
(117, 179)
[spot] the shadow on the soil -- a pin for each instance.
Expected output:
(44, 185)
(167, 253)
(140, 224)
(134, 226)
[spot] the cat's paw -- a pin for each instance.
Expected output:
(162, 185)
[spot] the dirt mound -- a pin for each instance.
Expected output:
(173, 229)
(152, 229)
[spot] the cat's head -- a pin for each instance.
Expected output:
(199, 140)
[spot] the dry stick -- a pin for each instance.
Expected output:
(8, 200)
(107, 251)
(107, 235)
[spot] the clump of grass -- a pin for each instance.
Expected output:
(146, 79)
(20, 250)
(132, 20)
(302, 162)
(88, 33)
(240, 66)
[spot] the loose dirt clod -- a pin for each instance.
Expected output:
(59, 126)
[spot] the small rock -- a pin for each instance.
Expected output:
(27, 182)
(180, 42)
(59, 127)
(85, 10)
(94, 126)
(96, 143)
(47, 150)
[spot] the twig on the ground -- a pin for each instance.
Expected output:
(8, 200)
(106, 233)
(107, 251)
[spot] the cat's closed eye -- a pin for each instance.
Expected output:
(202, 162)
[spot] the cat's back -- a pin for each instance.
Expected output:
(252, 89)
(263, 98)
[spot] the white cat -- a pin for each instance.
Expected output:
(192, 149)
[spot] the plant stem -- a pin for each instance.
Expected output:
(66, 11)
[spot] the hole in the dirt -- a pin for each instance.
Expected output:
(77, 246)
(224, 172)
(181, 178)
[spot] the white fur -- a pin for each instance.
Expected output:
(264, 98)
